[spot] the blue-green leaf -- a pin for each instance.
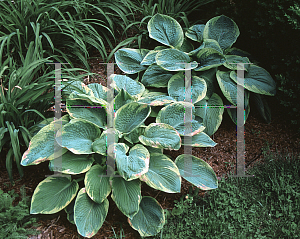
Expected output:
(165, 30)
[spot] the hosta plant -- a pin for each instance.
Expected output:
(211, 62)
(140, 135)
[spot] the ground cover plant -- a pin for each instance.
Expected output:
(15, 219)
(265, 206)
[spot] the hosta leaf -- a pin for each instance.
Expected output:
(99, 90)
(165, 30)
(157, 100)
(133, 137)
(81, 109)
(227, 86)
(197, 172)
(158, 135)
(236, 59)
(262, 107)
(186, 46)
(195, 32)
(126, 195)
(210, 43)
(99, 146)
(257, 80)
(41, 146)
(135, 164)
(134, 88)
(238, 52)
(97, 184)
(154, 150)
(222, 29)
(122, 98)
(173, 115)
(89, 215)
(129, 60)
(209, 77)
(211, 113)
(70, 163)
(89, 99)
(209, 58)
(52, 195)
(150, 218)
(174, 60)
(200, 140)
(233, 112)
(131, 116)
(77, 87)
(70, 211)
(176, 88)
(156, 76)
(207, 43)
(78, 136)
(149, 59)
(163, 174)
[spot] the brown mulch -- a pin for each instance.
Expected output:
(281, 137)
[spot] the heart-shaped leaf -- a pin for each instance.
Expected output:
(70, 163)
(227, 86)
(165, 30)
(97, 184)
(129, 60)
(41, 146)
(131, 116)
(150, 218)
(195, 32)
(174, 115)
(89, 215)
(163, 174)
(197, 172)
(156, 76)
(53, 194)
(133, 165)
(126, 195)
(232, 60)
(134, 88)
(211, 112)
(257, 80)
(159, 135)
(200, 140)
(157, 100)
(78, 136)
(99, 146)
(176, 88)
(122, 98)
(209, 58)
(174, 60)
(222, 29)
(81, 109)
